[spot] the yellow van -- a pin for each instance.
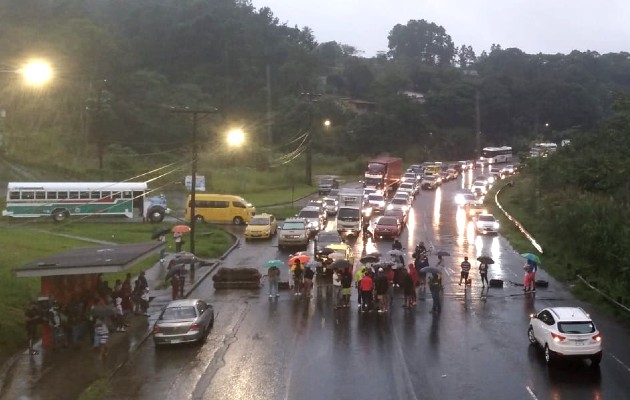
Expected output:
(225, 208)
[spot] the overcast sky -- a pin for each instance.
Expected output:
(547, 26)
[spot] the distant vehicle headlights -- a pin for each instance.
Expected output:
(390, 207)
(495, 225)
(460, 199)
(491, 179)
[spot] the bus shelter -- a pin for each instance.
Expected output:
(72, 274)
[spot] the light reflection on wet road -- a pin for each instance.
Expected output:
(292, 348)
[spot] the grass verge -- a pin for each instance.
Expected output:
(96, 390)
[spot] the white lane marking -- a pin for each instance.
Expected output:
(620, 362)
(531, 392)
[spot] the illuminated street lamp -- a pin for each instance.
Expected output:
(36, 72)
(327, 123)
(235, 137)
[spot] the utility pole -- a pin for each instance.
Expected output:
(193, 178)
(478, 124)
(312, 98)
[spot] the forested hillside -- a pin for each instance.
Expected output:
(120, 66)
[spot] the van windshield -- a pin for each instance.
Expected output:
(309, 214)
(294, 225)
(349, 213)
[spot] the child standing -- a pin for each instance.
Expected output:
(102, 335)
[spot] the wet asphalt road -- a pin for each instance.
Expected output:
(292, 348)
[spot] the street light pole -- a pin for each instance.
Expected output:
(193, 177)
(312, 98)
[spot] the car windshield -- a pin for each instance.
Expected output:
(387, 221)
(577, 327)
(259, 221)
(406, 186)
(330, 202)
(486, 218)
(293, 225)
(375, 197)
(410, 175)
(174, 313)
(429, 178)
(399, 201)
(394, 213)
(309, 214)
(348, 213)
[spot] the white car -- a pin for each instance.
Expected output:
(403, 195)
(408, 187)
(331, 205)
(486, 223)
(377, 202)
(398, 204)
(463, 199)
(410, 177)
(479, 188)
(565, 332)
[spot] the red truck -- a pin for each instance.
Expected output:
(383, 173)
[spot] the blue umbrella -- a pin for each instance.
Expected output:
(274, 263)
(531, 257)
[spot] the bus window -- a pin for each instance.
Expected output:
(73, 195)
(84, 195)
(51, 195)
(14, 195)
(28, 195)
(40, 195)
(116, 195)
(62, 195)
(95, 195)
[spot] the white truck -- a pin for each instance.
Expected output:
(349, 212)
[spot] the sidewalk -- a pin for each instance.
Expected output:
(65, 373)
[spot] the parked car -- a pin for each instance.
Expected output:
(293, 232)
(486, 223)
(565, 332)
(186, 320)
(387, 227)
(261, 226)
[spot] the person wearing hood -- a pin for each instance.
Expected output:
(308, 281)
(381, 286)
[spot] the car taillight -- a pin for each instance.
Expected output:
(597, 338)
(557, 338)
(156, 329)
(194, 327)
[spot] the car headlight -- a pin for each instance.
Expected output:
(495, 225)
(459, 199)
(390, 207)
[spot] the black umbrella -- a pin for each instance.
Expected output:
(159, 232)
(369, 259)
(485, 260)
(174, 269)
(102, 311)
(340, 264)
(325, 251)
(443, 254)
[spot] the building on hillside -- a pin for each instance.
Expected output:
(358, 106)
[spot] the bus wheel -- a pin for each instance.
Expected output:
(59, 215)
(156, 215)
(238, 221)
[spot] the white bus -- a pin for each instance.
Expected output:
(496, 155)
(60, 200)
(543, 149)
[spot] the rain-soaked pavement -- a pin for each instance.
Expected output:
(292, 348)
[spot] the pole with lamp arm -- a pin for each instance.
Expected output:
(193, 181)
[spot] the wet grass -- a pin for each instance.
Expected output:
(22, 243)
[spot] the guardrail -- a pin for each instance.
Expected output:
(518, 224)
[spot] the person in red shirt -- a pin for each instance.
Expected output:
(416, 282)
(366, 286)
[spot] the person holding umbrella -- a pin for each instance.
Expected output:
(298, 275)
(273, 276)
(435, 286)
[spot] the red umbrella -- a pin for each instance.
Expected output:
(180, 229)
(302, 257)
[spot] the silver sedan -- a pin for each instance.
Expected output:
(186, 320)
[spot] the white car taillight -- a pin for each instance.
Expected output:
(557, 338)
(597, 338)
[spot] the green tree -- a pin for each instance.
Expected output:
(421, 41)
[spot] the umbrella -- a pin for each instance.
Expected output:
(369, 259)
(485, 260)
(326, 251)
(396, 253)
(274, 263)
(430, 270)
(382, 264)
(174, 269)
(302, 257)
(313, 264)
(102, 311)
(443, 254)
(374, 253)
(340, 264)
(180, 229)
(531, 257)
(159, 232)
